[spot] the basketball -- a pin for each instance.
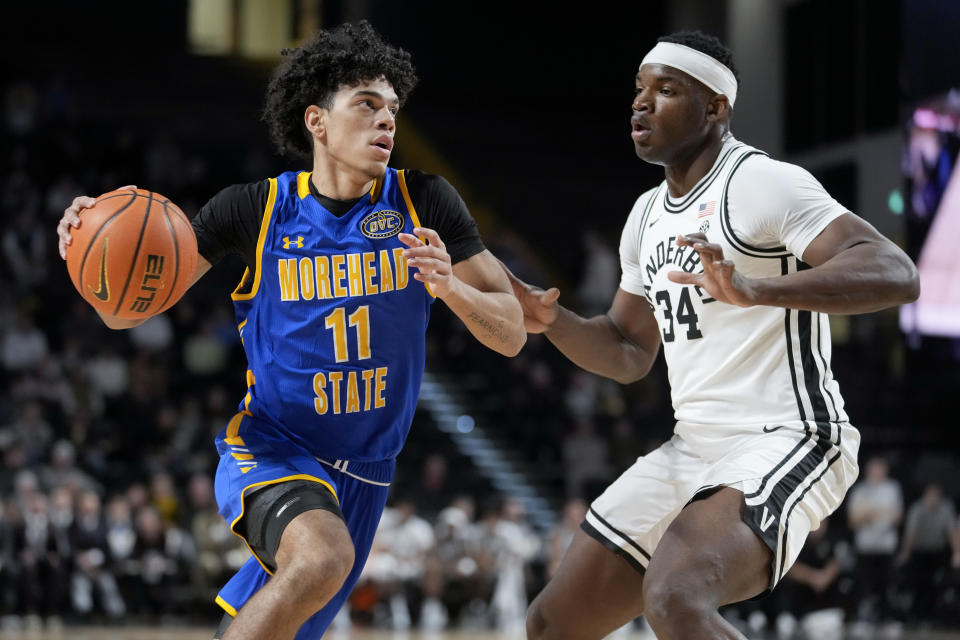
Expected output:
(133, 255)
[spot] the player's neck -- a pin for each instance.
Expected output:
(684, 174)
(334, 182)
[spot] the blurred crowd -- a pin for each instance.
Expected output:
(106, 503)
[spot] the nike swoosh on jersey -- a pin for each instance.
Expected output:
(103, 291)
(766, 430)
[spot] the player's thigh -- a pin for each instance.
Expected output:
(296, 521)
(594, 592)
(316, 540)
(708, 553)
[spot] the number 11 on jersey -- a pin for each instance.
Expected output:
(351, 390)
(359, 319)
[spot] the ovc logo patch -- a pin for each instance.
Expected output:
(382, 224)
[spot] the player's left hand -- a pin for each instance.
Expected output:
(431, 260)
(719, 278)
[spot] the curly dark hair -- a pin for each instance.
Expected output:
(704, 43)
(343, 56)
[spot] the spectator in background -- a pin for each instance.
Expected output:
(462, 580)
(434, 490)
(92, 582)
(955, 558)
(586, 460)
(32, 431)
(156, 334)
(515, 546)
(121, 538)
(874, 512)
(812, 594)
(601, 274)
(25, 248)
(160, 557)
(204, 353)
(625, 445)
(7, 566)
(62, 470)
(42, 563)
(928, 545)
(403, 541)
(219, 553)
(574, 511)
(108, 371)
(21, 108)
(24, 345)
(164, 498)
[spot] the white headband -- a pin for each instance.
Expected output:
(704, 68)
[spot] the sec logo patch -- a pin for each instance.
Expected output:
(382, 224)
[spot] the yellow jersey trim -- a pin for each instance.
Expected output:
(413, 212)
(375, 190)
(261, 241)
(226, 606)
(303, 184)
(243, 506)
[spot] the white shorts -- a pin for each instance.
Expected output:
(792, 476)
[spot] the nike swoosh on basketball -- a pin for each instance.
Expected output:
(103, 291)
(766, 430)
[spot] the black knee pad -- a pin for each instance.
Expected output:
(268, 511)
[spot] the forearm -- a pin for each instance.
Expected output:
(494, 318)
(866, 277)
(596, 345)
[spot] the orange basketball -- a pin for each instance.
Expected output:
(133, 255)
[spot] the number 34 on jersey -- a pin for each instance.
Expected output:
(679, 317)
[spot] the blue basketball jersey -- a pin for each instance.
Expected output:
(332, 323)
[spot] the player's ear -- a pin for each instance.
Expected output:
(718, 108)
(315, 120)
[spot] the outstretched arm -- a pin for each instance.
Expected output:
(620, 344)
(475, 289)
(856, 270)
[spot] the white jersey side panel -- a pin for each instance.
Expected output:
(731, 365)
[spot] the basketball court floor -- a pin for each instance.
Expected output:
(202, 633)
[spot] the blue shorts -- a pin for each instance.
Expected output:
(250, 457)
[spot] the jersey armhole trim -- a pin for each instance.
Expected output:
(303, 184)
(402, 181)
(643, 227)
(727, 227)
(261, 241)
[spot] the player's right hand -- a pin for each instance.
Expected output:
(71, 219)
(540, 307)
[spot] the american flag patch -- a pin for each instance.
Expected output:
(706, 209)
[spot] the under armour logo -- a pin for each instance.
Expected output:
(705, 226)
(767, 519)
(298, 243)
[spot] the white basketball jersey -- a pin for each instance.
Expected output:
(732, 365)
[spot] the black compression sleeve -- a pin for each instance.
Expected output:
(229, 223)
(441, 208)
